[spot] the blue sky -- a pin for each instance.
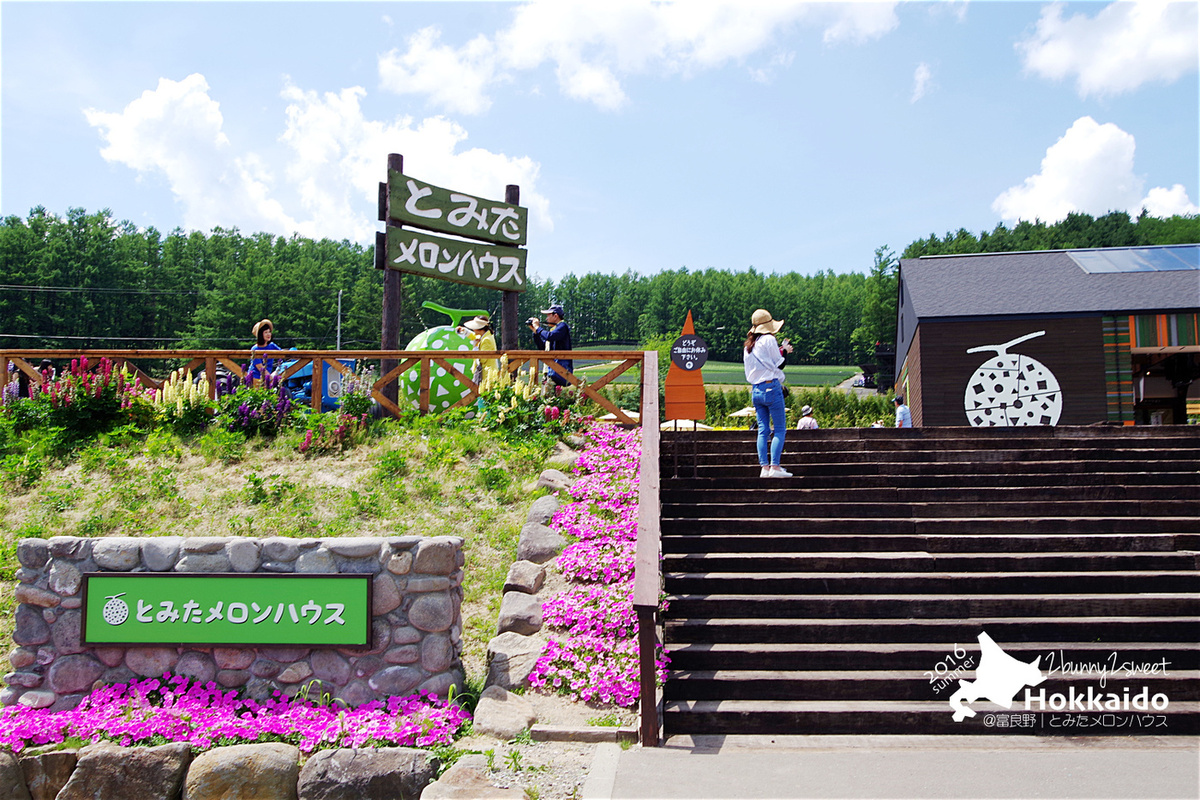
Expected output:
(776, 135)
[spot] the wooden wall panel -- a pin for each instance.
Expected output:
(1073, 349)
(908, 382)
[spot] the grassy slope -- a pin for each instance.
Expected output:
(461, 482)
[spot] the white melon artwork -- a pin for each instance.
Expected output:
(1012, 389)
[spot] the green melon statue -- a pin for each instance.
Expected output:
(444, 388)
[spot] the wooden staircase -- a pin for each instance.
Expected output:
(850, 598)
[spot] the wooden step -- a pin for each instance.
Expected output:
(916, 655)
(930, 526)
(898, 480)
(779, 509)
(933, 606)
(800, 717)
(804, 543)
(951, 583)
(865, 684)
(1113, 630)
(919, 561)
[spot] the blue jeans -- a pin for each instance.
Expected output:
(768, 404)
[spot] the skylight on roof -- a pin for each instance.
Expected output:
(1168, 258)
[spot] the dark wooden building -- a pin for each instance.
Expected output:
(1064, 337)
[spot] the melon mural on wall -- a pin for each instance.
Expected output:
(1012, 389)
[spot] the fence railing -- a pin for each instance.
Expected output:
(646, 577)
(394, 364)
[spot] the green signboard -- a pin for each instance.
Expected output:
(226, 609)
(413, 202)
(473, 263)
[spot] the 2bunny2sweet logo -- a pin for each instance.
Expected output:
(999, 677)
(1012, 389)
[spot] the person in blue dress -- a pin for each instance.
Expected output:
(260, 368)
(557, 337)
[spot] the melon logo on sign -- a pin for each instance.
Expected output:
(1012, 389)
(115, 611)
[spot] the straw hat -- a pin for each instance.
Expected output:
(761, 322)
(478, 323)
(258, 326)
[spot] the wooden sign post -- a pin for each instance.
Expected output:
(685, 383)
(488, 254)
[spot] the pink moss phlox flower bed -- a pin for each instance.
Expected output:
(597, 661)
(598, 561)
(173, 709)
(593, 610)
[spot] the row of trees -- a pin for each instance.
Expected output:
(86, 280)
(1115, 229)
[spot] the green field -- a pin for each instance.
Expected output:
(731, 373)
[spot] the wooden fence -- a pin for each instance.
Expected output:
(385, 390)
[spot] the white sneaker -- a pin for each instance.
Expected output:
(765, 472)
(779, 472)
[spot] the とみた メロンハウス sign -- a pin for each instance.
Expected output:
(226, 609)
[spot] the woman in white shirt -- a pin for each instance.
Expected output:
(763, 359)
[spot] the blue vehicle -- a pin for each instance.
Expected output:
(300, 384)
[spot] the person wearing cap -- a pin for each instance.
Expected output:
(557, 337)
(763, 359)
(903, 417)
(807, 423)
(263, 331)
(482, 336)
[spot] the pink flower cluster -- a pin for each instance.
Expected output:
(205, 716)
(598, 660)
(593, 610)
(604, 560)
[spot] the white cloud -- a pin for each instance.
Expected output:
(861, 22)
(1123, 47)
(922, 75)
(592, 46)
(453, 79)
(1090, 170)
(766, 74)
(175, 130)
(335, 158)
(1162, 202)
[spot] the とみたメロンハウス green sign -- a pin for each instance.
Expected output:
(226, 609)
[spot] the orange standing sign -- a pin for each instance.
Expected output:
(685, 384)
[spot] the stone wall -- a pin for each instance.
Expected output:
(416, 618)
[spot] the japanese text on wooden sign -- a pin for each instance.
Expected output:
(220, 609)
(473, 263)
(412, 202)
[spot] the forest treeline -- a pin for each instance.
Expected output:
(88, 280)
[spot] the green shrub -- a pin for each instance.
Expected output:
(223, 445)
(392, 464)
(257, 411)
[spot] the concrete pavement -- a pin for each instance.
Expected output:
(1058, 768)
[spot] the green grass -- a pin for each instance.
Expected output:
(717, 373)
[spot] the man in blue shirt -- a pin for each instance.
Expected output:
(558, 337)
(903, 417)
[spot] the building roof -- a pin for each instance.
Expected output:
(1109, 280)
